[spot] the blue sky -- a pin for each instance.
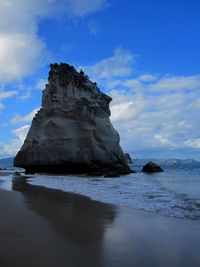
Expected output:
(145, 54)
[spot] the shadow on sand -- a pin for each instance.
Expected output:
(75, 217)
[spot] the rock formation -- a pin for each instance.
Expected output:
(128, 158)
(72, 132)
(152, 167)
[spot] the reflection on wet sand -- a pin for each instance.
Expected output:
(75, 217)
(76, 231)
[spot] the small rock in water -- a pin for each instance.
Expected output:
(152, 167)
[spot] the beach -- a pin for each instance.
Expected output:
(48, 227)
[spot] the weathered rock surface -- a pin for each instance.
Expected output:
(128, 158)
(152, 167)
(72, 132)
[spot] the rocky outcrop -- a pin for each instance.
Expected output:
(72, 132)
(152, 167)
(128, 158)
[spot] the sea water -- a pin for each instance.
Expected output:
(174, 192)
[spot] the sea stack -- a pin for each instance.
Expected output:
(152, 167)
(72, 132)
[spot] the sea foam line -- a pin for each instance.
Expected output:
(134, 191)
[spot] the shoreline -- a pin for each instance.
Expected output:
(48, 227)
(22, 180)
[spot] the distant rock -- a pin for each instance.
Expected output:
(128, 158)
(152, 167)
(72, 132)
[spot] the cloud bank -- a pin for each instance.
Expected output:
(153, 113)
(22, 50)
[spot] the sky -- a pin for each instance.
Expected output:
(144, 54)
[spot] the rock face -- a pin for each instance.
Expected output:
(152, 167)
(72, 132)
(128, 158)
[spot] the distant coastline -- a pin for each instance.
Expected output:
(8, 162)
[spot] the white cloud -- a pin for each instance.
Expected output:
(21, 132)
(133, 84)
(20, 55)
(85, 7)
(22, 51)
(25, 91)
(157, 122)
(195, 143)
(4, 95)
(120, 64)
(122, 111)
(19, 119)
(147, 77)
(10, 149)
(151, 112)
(178, 83)
(41, 84)
(125, 107)
(164, 139)
(7, 94)
(26, 95)
(112, 83)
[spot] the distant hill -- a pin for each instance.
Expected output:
(165, 161)
(6, 163)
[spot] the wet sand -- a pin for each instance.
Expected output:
(45, 227)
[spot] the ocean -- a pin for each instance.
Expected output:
(174, 192)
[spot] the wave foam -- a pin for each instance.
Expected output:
(135, 191)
